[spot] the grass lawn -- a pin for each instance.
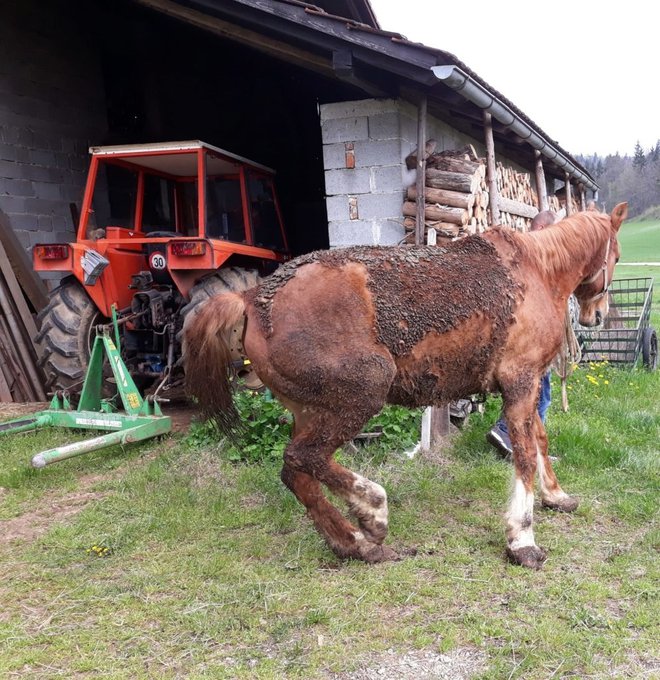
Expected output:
(168, 560)
(171, 560)
(640, 241)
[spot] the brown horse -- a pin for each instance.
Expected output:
(337, 334)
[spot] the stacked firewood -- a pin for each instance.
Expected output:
(457, 199)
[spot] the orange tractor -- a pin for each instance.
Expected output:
(162, 228)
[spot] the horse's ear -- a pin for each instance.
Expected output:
(619, 214)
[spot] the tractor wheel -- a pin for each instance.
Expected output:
(650, 349)
(66, 335)
(230, 279)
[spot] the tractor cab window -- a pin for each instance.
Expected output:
(265, 223)
(224, 210)
(114, 197)
(159, 212)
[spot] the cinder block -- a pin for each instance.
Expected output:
(46, 158)
(347, 181)
(61, 222)
(24, 222)
(337, 207)
(352, 233)
(385, 126)
(46, 174)
(24, 238)
(65, 236)
(361, 107)
(386, 179)
(334, 156)
(370, 153)
(380, 206)
(390, 233)
(345, 129)
(48, 190)
(8, 152)
(14, 205)
(16, 187)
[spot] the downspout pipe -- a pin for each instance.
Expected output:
(470, 89)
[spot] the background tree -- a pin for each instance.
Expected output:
(634, 179)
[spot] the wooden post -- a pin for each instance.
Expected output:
(567, 195)
(583, 197)
(435, 427)
(491, 170)
(421, 171)
(541, 186)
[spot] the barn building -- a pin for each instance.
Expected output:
(318, 92)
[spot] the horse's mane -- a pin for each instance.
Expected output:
(557, 247)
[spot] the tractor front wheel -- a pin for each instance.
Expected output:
(227, 280)
(67, 331)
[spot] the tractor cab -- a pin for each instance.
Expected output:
(162, 228)
(175, 210)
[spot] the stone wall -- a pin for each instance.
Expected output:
(52, 109)
(365, 144)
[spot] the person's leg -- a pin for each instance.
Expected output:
(544, 396)
(498, 436)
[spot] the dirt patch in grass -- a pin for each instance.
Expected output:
(9, 411)
(51, 511)
(459, 664)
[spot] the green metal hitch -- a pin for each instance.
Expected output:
(141, 418)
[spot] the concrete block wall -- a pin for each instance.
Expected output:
(52, 109)
(365, 144)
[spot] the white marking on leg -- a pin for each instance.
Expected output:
(368, 501)
(520, 517)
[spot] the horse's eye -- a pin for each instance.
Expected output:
(616, 261)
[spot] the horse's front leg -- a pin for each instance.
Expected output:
(552, 495)
(521, 546)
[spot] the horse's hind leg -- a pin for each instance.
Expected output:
(308, 462)
(552, 495)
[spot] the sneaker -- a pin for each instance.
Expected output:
(498, 438)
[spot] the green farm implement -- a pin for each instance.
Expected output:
(140, 419)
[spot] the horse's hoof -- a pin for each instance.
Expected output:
(373, 554)
(567, 504)
(530, 556)
(375, 533)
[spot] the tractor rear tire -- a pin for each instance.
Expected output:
(227, 280)
(66, 335)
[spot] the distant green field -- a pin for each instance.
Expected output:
(640, 241)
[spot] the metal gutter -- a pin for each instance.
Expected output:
(470, 89)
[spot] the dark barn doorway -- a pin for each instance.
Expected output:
(166, 80)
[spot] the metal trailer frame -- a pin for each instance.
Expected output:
(626, 334)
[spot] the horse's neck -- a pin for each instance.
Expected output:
(567, 252)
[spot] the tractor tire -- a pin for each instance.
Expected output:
(650, 349)
(67, 332)
(229, 279)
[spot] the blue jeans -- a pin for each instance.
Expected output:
(542, 406)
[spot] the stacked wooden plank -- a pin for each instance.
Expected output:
(21, 380)
(457, 199)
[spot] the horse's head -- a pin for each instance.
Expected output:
(592, 292)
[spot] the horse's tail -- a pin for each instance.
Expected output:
(207, 358)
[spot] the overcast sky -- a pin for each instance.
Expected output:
(586, 72)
